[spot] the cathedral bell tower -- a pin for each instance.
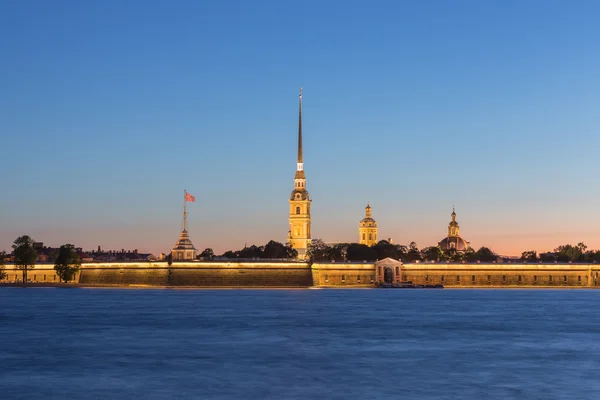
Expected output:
(299, 233)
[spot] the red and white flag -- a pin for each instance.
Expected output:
(190, 198)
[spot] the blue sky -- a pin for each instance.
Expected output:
(109, 110)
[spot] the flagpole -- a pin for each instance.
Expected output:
(184, 210)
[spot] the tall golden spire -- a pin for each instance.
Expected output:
(299, 232)
(300, 161)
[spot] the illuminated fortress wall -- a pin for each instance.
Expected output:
(343, 274)
(208, 274)
(42, 273)
(462, 275)
(301, 274)
(124, 274)
(503, 275)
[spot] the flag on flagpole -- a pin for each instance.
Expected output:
(190, 198)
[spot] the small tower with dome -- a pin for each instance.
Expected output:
(453, 241)
(367, 229)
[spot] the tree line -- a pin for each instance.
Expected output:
(564, 253)
(66, 261)
(270, 250)
(318, 250)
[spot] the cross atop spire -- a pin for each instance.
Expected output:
(300, 161)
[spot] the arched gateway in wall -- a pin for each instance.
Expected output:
(388, 270)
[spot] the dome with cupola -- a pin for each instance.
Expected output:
(453, 241)
(367, 228)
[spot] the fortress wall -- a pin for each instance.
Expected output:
(241, 277)
(499, 275)
(41, 273)
(300, 274)
(209, 274)
(124, 274)
(343, 274)
(469, 275)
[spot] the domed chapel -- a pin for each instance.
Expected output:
(453, 241)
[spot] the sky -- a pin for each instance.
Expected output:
(110, 110)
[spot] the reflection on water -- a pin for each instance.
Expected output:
(298, 344)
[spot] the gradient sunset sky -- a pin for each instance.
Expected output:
(110, 109)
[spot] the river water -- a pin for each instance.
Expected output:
(299, 344)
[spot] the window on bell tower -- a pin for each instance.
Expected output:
(297, 210)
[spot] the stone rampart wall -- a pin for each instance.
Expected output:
(343, 274)
(299, 274)
(464, 275)
(208, 274)
(503, 275)
(41, 273)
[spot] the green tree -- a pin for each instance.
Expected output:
(485, 254)
(432, 253)
(402, 251)
(339, 252)
(230, 254)
(67, 263)
(318, 250)
(25, 255)
(470, 255)
(453, 255)
(529, 256)
(207, 253)
(385, 249)
(413, 253)
(251, 252)
(2, 272)
(568, 252)
(291, 252)
(275, 249)
(592, 256)
(170, 259)
(360, 252)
